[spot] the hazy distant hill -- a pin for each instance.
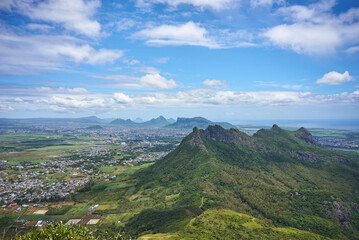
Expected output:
(123, 122)
(154, 122)
(200, 122)
(94, 127)
(281, 177)
(138, 120)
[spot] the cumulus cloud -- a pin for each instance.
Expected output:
(189, 33)
(335, 78)
(122, 98)
(305, 37)
(74, 15)
(103, 56)
(60, 90)
(213, 4)
(19, 100)
(105, 102)
(74, 102)
(212, 82)
(314, 29)
(156, 81)
(31, 53)
(151, 80)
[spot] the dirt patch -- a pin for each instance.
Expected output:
(62, 204)
(31, 211)
(30, 224)
(93, 221)
(121, 169)
(40, 212)
(86, 219)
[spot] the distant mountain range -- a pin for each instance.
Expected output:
(181, 123)
(154, 122)
(200, 122)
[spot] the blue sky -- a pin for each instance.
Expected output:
(227, 60)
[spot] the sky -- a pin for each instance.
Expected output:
(227, 60)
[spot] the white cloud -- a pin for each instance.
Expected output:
(106, 102)
(74, 90)
(19, 100)
(5, 108)
(314, 28)
(352, 49)
(212, 82)
(189, 33)
(214, 4)
(125, 24)
(74, 15)
(64, 90)
(305, 38)
(6, 4)
(156, 81)
(40, 27)
(335, 78)
(147, 69)
(74, 102)
(261, 3)
(131, 61)
(31, 53)
(103, 56)
(151, 80)
(161, 60)
(285, 86)
(122, 98)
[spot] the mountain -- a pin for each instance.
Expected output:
(138, 120)
(171, 120)
(283, 178)
(94, 127)
(156, 122)
(200, 122)
(122, 122)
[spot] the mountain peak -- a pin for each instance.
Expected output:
(275, 126)
(303, 134)
(195, 140)
(218, 133)
(161, 118)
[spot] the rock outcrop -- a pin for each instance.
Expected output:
(303, 134)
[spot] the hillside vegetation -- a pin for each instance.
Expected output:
(281, 177)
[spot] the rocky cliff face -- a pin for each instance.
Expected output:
(195, 139)
(217, 133)
(303, 134)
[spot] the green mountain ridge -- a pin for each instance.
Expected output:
(227, 224)
(281, 177)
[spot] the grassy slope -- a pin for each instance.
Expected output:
(227, 224)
